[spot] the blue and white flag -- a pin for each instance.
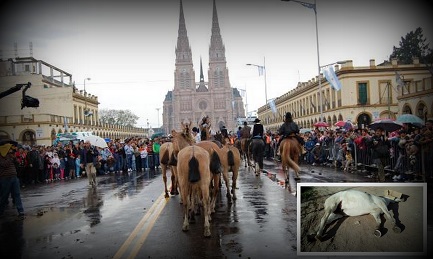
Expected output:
(332, 78)
(398, 80)
(273, 107)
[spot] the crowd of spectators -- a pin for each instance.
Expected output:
(63, 161)
(407, 153)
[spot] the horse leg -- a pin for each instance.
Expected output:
(164, 178)
(226, 180)
(186, 210)
(385, 210)
(329, 208)
(234, 180)
(206, 209)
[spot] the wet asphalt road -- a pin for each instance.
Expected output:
(126, 216)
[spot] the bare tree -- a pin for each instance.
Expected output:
(118, 117)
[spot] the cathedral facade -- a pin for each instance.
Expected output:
(190, 101)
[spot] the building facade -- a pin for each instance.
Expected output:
(62, 107)
(190, 101)
(368, 93)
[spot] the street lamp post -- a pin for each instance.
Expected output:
(86, 112)
(157, 109)
(262, 68)
(313, 6)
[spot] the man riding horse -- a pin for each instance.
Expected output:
(258, 144)
(290, 129)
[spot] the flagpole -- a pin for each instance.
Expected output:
(266, 89)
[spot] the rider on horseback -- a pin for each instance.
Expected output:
(290, 129)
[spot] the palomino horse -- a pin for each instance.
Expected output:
(356, 203)
(182, 140)
(194, 180)
(168, 161)
(289, 150)
(257, 147)
(231, 161)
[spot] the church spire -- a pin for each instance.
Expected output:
(183, 49)
(216, 49)
(201, 71)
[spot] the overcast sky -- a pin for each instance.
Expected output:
(127, 47)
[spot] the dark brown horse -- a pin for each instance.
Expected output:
(289, 150)
(168, 161)
(245, 151)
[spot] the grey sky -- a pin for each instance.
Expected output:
(127, 47)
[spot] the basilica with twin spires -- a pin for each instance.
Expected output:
(190, 101)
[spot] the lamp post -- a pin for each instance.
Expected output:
(86, 112)
(313, 6)
(157, 109)
(262, 68)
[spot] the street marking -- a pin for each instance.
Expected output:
(145, 225)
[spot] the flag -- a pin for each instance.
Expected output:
(272, 105)
(332, 78)
(261, 70)
(398, 80)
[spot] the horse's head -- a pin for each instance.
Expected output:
(180, 140)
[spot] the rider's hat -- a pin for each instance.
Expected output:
(288, 115)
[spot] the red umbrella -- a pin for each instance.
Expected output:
(339, 123)
(321, 124)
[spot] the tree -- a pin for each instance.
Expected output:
(118, 117)
(414, 45)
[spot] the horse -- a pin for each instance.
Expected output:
(355, 203)
(182, 140)
(168, 160)
(289, 150)
(245, 151)
(257, 147)
(231, 161)
(194, 180)
(205, 125)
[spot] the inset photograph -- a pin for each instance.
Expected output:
(362, 219)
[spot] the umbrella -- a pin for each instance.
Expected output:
(320, 124)
(385, 124)
(96, 141)
(303, 130)
(157, 135)
(339, 123)
(411, 119)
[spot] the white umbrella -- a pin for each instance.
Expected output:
(96, 141)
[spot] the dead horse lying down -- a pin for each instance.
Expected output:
(356, 203)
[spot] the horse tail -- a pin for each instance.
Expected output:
(173, 160)
(165, 158)
(292, 164)
(215, 163)
(230, 158)
(193, 172)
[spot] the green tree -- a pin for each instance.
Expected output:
(118, 117)
(414, 44)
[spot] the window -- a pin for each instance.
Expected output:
(384, 91)
(362, 93)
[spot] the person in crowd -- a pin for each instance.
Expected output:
(78, 166)
(318, 154)
(34, 165)
(89, 156)
(155, 148)
(21, 164)
(143, 157)
(9, 182)
(196, 135)
(129, 152)
(380, 151)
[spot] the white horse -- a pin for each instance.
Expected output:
(355, 203)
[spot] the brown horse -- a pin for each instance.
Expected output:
(194, 180)
(289, 150)
(231, 161)
(245, 152)
(168, 161)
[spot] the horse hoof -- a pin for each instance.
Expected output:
(311, 238)
(207, 232)
(377, 233)
(396, 230)
(185, 228)
(166, 195)
(297, 178)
